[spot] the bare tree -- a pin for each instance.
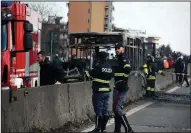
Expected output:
(45, 9)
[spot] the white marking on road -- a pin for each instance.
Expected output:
(176, 88)
(186, 129)
(173, 89)
(136, 109)
(128, 113)
(132, 111)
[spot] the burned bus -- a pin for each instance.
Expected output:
(83, 49)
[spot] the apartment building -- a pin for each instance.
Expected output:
(54, 37)
(90, 16)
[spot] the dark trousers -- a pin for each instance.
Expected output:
(101, 103)
(150, 87)
(120, 117)
(185, 79)
(179, 78)
(118, 101)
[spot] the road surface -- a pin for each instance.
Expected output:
(160, 115)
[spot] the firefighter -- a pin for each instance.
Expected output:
(150, 70)
(121, 72)
(101, 75)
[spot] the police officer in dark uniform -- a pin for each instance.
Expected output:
(121, 72)
(101, 77)
(150, 69)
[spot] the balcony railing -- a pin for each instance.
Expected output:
(107, 28)
(110, 5)
(106, 6)
(107, 17)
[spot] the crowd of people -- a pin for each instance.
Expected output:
(181, 70)
(102, 74)
(179, 63)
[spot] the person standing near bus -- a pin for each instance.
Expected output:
(121, 72)
(101, 76)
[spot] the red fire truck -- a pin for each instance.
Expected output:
(20, 42)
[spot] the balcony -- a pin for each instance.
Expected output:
(109, 19)
(110, 5)
(105, 26)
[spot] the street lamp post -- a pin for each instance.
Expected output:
(51, 41)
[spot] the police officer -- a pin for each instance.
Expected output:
(121, 72)
(150, 70)
(101, 76)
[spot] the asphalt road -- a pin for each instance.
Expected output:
(183, 91)
(159, 116)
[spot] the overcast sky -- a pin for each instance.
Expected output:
(168, 20)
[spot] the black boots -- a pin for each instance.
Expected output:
(148, 94)
(100, 124)
(117, 124)
(126, 125)
(104, 123)
(122, 120)
(151, 94)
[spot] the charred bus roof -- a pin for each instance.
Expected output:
(92, 39)
(80, 34)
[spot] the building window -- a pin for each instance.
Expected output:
(88, 30)
(89, 10)
(88, 20)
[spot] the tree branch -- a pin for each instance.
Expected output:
(44, 9)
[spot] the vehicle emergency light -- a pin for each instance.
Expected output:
(6, 15)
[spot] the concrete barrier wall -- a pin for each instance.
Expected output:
(163, 82)
(52, 106)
